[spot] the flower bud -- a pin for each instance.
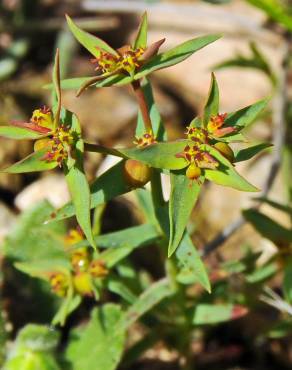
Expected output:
(98, 269)
(59, 283)
(225, 150)
(82, 283)
(193, 172)
(136, 173)
(41, 143)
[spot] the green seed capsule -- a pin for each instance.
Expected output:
(41, 143)
(136, 173)
(82, 283)
(225, 150)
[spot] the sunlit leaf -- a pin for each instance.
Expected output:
(183, 197)
(247, 153)
(92, 43)
(19, 133)
(175, 55)
(212, 104)
(102, 190)
(192, 268)
(141, 38)
(33, 163)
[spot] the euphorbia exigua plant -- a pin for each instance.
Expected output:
(205, 153)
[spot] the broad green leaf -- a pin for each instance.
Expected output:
(245, 116)
(41, 268)
(145, 302)
(247, 153)
(192, 268)
(212, 104)
(33, 163)
(175, 55)
(19, 133)
(183, 197)
(146, 205)
(97, 345)
(115, 285)
(234, 138)
(77, 182)
(225, 174)
(157, 124)
(92, 43)
(31, 240)
(267, 227)
(216, 313)
(141, 38)
(32, 349)
(160, 155)
(102, 190)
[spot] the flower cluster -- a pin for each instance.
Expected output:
(145, 140)
(126, 60)
(84, 269)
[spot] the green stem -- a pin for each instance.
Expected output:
(96, 148)
(139, 93)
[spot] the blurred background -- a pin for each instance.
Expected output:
(255, 49)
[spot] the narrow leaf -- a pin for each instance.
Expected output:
(192, 268)
(225, 174)
(247, 153)
(183, 197)
(19, 133)
(141, 38)
(216, 313)
(78, 185)
(33, 163)
(267, 227)
(57, 88)
(212, 103)
(92, 43)
(175, 55)
(147, 300)
(245, 116)
(102, 190)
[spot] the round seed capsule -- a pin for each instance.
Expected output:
(136, 173)
(193, 172)
(82, 283)
(225, 150)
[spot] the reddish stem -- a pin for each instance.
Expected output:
(142, 105)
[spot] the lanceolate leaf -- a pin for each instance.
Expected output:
(212, 104)
(225, 174)
(92, 43)
(183, 197)
(147, 300)
(245, 116)
(175, 55)
(78, 185)
(160, 155)
(141, 38)
(267, 227)
(33, 163)
(247, 153)
(19, 133)
(97, 345)
(57, 88)
(215, 313)
(102, 190)
(157, 124)
(192, 268)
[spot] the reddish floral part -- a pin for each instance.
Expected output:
(197, 134)
(127, 60)
(80, 259)
(61, 143)
(59, 283)
(145, 140)
(194, 155)
(215, 124)
(74, 236)
(41, 121)
(98, 269)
